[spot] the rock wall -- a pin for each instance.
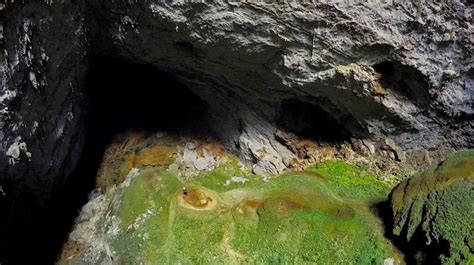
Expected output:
(399, 71)
(42, 66)
(44, 59)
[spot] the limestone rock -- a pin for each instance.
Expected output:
(396, 151)
(196, 157)
(87, 224)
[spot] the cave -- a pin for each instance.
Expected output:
(312, 121)
(404, 80)
(79, 76)
(123, 97)
(120, 97)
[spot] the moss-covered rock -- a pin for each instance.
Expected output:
(295, 218)
(229, 215)
(433, 211)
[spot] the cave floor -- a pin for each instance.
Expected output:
(166, 199)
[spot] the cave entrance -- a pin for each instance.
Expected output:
(131, 96)
(128, 97)
(312, 121)
(123, 97)
(405, 81)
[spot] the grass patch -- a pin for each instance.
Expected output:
(216, 179)
(303, 221)
(296, 218)
(353, 182)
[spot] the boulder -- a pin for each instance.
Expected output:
(432, 211)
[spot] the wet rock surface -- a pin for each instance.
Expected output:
(43, 61)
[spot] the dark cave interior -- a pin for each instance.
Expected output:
(311, 121)
(405, 81)
(121, 96)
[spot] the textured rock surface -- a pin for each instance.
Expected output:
(43, 60)
(43, 66)
(433, 211)
(379, 70)
(256, 56)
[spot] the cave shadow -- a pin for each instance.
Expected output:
(320, 121)
(405, 81)
(415, 251)
(120, 97)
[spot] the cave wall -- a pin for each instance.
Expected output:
(42, 64)
(244, 59)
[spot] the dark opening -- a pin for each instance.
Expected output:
(126, 96)
(120, 97)
(311, 121)
(405, 81)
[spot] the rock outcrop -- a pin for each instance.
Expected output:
(256, 63)
(401, 71)
(433, 211)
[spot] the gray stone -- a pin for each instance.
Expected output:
(389, 261)
(370, 145)
(396, 152)
(205, 163)
(189, 155)
(87, 223)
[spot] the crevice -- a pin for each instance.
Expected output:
(311, 121)
(405, 81)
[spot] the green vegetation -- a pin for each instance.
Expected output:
(439, 205)
(216, 179)
(301, 220)
(299, 217)
(353, 182)
(229, 215)
(151, 189)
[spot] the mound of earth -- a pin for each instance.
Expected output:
(433, 212)
(229, 215)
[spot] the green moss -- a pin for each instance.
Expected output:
(150, 190)
(216, 179)
(312, 225)
(196, 238)
(135, 201)
(353, 182)
(295, 218)
(439, 204)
